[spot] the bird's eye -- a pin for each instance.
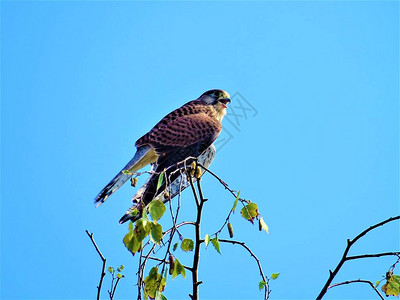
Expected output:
(217, 94)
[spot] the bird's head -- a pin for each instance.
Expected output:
(217, 98)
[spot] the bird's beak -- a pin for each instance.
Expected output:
(224, 101)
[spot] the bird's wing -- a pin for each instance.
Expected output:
(185, 136)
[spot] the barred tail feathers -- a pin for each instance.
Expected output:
(143, 156)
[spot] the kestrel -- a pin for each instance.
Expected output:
(183, 134)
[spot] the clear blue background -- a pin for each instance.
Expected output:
(81, 81)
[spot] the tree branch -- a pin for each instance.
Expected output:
(358, 281)
(344, 258)
(149, 251)
(196, 257)
(140, 276)
(167, 262)
(103, 273)
(372, 255)
(223, 183)
(264, 278)
(115, 287)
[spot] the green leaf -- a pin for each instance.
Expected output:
(134, 212)
(119, 275)
(153, 283)
(142, 229)
(130, 226)
(215, 243)
(157, 209)
(392, 286)
(274, 276)
(175, 246)
(133, 239)
(166, 273)
(156, 233)
(263, 225)
(206, 239)
(127, 172)
(153, 272)
(110, 269)
(160, 180)
(236, 201)
(178, 269)
(262, 285)
(187, 245)
(250, 211)
(131, 242)
(377, 283)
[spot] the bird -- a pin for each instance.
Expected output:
(180, 137)
(174, 188)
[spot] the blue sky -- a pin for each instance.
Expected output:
(319, 151)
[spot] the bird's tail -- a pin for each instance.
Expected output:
(143, 156)
(133, 214)
(150, 190)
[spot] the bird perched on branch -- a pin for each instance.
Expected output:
(177, 182)
(181, 136)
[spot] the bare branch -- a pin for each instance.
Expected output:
(394, 265)
(140, 276)
(373, 255)
(115, 287)
(194, 191)
(223, 183)
(358, 281)
(264, 278)
(344, 258)
(179, 225)
(103, 273)
(196, 257)
(167, 262)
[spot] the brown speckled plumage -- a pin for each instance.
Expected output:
(186, 125)
(192, 127)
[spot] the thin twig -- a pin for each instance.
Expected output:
(179, 225)
(115, 286)
(344, 258)
(103, 273)
(358, 281)
(372, 255)
(167, 262)
(112, 284)
(175, 218)
(227, 219)
(396, 262)
(171, 236)
(264, 278)
(234, 193)
(196, 198)
(140, 277)
(221, 181)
